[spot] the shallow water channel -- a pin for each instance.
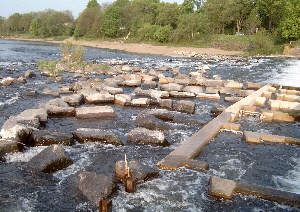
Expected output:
(271, 165)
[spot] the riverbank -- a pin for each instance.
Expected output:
(140, 48)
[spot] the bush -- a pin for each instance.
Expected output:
(163, 34)
(261, 43)
(72, 53)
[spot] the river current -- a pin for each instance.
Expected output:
(271, 165)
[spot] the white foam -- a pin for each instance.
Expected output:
(24, 156)
(291, 181)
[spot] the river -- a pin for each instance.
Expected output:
(276, 165)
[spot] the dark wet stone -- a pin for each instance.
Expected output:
(46, 138)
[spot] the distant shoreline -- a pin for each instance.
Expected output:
(140, 48)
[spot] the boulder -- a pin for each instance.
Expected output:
(95, 187)
(62, 67)
(8, 146)
(74, 99)
(136, 169)
(46, 73)
(66, 89)
(47, 138)
(151, 122)
(177, 94)
(233, 84)
(212, 90)
(58, 108)
(148, 85)
(159, 94)
(147, 137)
(171, 87)
(253, 86)
(113, 90)
(232, 99)
(184, 106)
(213, 83)
(95, 112)
(51, 159)
(217, 110)
(29, 74)
(132, 83)
(141, 92)
(87, 91)
(96, 135)
(140, 102)
(122, 99)
(166, 103)
(48, 91)
(193, 89)
(8, 81)
(99, 98)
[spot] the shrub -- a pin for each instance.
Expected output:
(72, 53)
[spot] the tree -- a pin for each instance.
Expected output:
(167, 14)
(111, 23)
(35, 26)
(92, 3)
(187, 6)
(163, 34)
(290, 23)
(13, 22)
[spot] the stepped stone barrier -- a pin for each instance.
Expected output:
(226, 189)
(193, 146)
(95, 112)
(255, 137)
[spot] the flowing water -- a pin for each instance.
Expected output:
(272, 165)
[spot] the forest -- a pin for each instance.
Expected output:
(194, 22)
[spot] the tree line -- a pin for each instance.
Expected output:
(163, 22)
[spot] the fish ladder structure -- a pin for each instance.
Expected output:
(185, 154)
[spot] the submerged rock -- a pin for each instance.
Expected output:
(46, 138)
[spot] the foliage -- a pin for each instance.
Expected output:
(261, 43)
(163, 34)
(290, 24)
(147, 32)
(111, 23)
(71, 52)
(35, 26)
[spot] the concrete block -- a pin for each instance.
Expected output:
(291, 98)
(272, 138)
(272, 89)
(167, 103)
(141, 102)
(282, 117)
(252, 85)
(249, 108)
(222, 188)
(231, 126)
(292, 92)
(233, 84)
(279, 96)
(274, 104)
(282, 91)
(213, 83)
(244, 93)
(260, 101)
(95, 112)
(208, 96)
(212, 90)
(252, 137)
(267, 115)
(232, 99)
(122, 99)
(267, 94)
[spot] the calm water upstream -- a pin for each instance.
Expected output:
(276, 165)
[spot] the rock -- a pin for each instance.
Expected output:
(244, 93)
(222, 188)
(21, 80)
(182, 81)
(163, 68)
(148, 85)
(58, 108)
(184, 106)
(122, 99)
(253, 86)
(232, 99)
(87, 91)
(148, 137)
(65, 89)
(171, 87)
(113, 90)
(48, 91)
(95, 112)
(159, 94)
(47, 138)
(46, 73)
(233, 84)
(217, 110)
(213, 83)
(141, 92)
(74, 99)
(8, 81)
(31, 93)
(209, 96)
(29, 74)
(166, 103)
(151, 122)
(193, 89)
(8, 146)
(212, 90)
(95, 187)
(96, 135)
(132, 83)
(51, 159)
(177, 94)
(62, 67)
(141, 102)
(99, 98)
(136, 169)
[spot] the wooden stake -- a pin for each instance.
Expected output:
(105, 206)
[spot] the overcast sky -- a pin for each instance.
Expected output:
(9, 7)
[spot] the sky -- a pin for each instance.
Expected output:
(9, 7)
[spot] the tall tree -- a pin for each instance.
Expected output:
(112, 21)
(92, 3)
(14, 22)
(290, 24)
(167, 14)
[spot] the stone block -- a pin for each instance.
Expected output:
(282, 117)
(208, 96)
(193, 89)
(274, 104)
(73, 100)
(291, 98)
(213, 83)
(272, 89)
(122, 99)
(99, 98)
(272, 138)
(159, 94)
(212, 90)
(222, 188)
(267, 94)
(171, 87)
(252, 85)
(267, 115)
(166, 103)
(292, 92)
(282, 91)
(279, 96)
(233, 84)
(147, 137)
(95, 112)
(184, 106)
(96, 135)
(49, 160)
(8, 146)
(140, 102)
(231, 126)
(47, 138)
(252, 137)
(177, 94)
(232, 99)
(244, 93)
(260, 101)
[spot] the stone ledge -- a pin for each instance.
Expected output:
(174, 162)
(256, 137)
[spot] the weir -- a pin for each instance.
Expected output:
(223, 188)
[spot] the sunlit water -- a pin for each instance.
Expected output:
(229, 156)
